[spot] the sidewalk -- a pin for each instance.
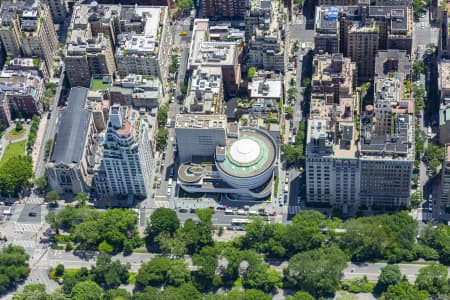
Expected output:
(39, 140)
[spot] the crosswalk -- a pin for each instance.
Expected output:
(33, 200)
(161, 203)
(24, 227)
(24, 243)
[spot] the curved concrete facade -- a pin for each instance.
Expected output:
(255, 172)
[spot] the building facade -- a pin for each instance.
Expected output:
(127, 155)
(71, 165)
(222, 8)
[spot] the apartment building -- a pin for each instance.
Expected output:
(225, 55)
(222, 8)
(205, 93)
(10, 29)
(444, 110)
(386, 161)
(348, 161)
(28, 30)
(362, 48)
(145, 52)
(266, 42)
(445, 181)
(332, 166)
(392, 61)
(58, 10)
(326, 25)
(127, 155)
(334, 77)
(22, 92)
(389, 101)
(138, 91)
(86, 56)
(258, 16)
(70, 168)
(198, 135)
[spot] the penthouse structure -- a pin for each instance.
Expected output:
(327, 37)
(224, 55)
(145, 49)
(72, 162)
(26, 29)
(390, 101)
(20, 92)
(127, 155)
(222, 8)
(205, 91)
(334, 77)
(138, 91)
(258, 16)
(392, 61)
(244, 158)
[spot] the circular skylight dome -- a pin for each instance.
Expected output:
(245, 151)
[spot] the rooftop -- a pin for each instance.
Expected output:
(249, 155)
(264, 88)
(73, 129)
(399, 144)
(210, 53)
(326, 19)
(444, 76)
(20, 82)
(81, 43)
(147, 41)
(392, 60)
(201, 121)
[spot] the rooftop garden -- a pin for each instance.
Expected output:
(97, 84)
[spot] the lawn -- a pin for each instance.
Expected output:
(12, 150)
(15, 135)
(98, 84)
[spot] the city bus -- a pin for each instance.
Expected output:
(240, 221)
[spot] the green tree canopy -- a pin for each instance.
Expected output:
(389, 237)
(13, 267)
(32, 292)
(405, 291)
(52, 197)
(162, 220)
(15, 173)
(301, 295)
(251, 72)
(87, 290)
(433, 279)
(161, 138)
(109, 274)
(316, 271)
(161, 271)
(390, 275)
